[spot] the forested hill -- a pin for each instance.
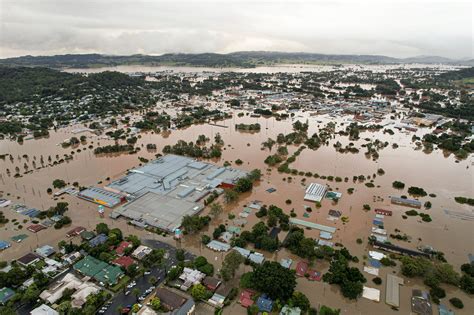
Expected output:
(245, 59)
(18, 84)
(461, 74)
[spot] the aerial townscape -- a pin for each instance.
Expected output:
(248, 182)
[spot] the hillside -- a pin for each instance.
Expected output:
(244, 59)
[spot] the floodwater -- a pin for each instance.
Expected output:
(435, 172)
(288, 68)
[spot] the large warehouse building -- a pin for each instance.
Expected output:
(163, 191)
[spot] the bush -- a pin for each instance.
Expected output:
(398, 185)
(387, 262)
(437, 292)
(205, 239)
(456, 302)
(467, 284)
(411, 212)
(59, 183)
(377, 280)
(417, 191)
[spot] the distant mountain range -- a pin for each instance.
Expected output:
(243, 59)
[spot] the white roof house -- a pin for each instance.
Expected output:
(141, 252)
(44, 310)
(315, 192)
(70, 281)
(191, 277)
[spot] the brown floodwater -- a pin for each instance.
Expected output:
(435, 172)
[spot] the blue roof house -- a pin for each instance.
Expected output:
(4, 245)
(98, 240)
(264, 303)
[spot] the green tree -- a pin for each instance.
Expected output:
(230, 195)
(467, 284)
(216, 209)
(152, 280)
(31, 293)
(277, 281)
(230, 264)
(300, 300)
(456, 302)
(398, 185)
(136, 292)
(155, 304)
(243, 184)
(198, 292)
(246, 281)
(324, 310)
(135, 308)
(180, 255)
(59, 183)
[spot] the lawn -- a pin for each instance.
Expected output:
(123, 282)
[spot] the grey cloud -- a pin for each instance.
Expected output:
(396, 28)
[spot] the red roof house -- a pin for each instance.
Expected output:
(124, 261)
(246, 298)
(301, 268)
(314, 275)
(75, 231)
(120, 250)
(35, 228)
(383, 212)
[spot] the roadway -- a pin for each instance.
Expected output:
(120, 299)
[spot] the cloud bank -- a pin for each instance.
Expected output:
(385, 27)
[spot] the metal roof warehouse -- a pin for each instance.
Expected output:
(165, 190)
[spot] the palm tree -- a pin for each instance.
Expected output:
(136, 292)
(152, 280)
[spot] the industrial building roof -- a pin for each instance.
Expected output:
(169, 188)
(315, 192)
(170, 171)
(312, 225)
(160, 211)
(101, 196)
(218, 246)
(405, 201)
(392, 295)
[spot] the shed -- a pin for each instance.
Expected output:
(286, 262)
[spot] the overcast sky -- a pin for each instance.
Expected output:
(402, 28)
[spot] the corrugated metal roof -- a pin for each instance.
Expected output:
(392, 293)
